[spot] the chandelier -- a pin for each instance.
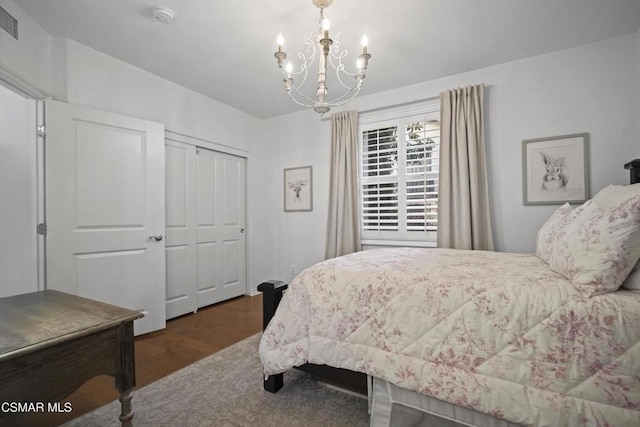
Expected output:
(319, 46)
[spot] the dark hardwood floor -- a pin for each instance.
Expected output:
(185, 340)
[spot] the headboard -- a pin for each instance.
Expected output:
(634, 170)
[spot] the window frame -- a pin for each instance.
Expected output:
(399, 117)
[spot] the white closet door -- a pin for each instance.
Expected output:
(182, 278)
(205, 216)
(221, 253)
(105, 203)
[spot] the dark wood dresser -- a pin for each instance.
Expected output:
(51, 343)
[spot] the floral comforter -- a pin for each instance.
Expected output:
(496, 332)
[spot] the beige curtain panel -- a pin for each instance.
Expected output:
(343, 228)
(464, 220)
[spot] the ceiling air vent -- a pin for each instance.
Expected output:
(8, 23)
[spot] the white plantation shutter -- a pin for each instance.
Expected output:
(380, 179)
(399, 178)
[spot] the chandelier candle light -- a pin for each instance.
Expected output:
(327, 50)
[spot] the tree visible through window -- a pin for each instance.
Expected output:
(399, 182)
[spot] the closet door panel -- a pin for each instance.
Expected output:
(232, 263)
(180, 229)
(233, 274)
(221, 201)
(208, 225)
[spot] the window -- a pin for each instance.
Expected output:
(399, 178)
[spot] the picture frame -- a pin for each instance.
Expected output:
(298, 189)
(556, 169)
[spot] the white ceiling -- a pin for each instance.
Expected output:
(224, 48)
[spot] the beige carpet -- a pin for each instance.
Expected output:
(225, 389)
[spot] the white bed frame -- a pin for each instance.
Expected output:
(391, 405)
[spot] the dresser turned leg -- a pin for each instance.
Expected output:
(126, 414)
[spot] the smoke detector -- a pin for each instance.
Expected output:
(163, 14)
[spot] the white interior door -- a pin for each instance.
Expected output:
(221, 252)
(105, 202)
(18, 195)
(181, 256)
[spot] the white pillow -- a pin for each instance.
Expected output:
(596, 248)
(614, 195)
(632, 282)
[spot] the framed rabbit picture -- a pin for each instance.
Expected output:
(555, 169)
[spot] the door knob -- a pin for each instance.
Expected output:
(156, 237)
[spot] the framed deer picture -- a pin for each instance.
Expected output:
(298, 189)
(556, 169)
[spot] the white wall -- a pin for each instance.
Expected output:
(18, 239)
(638, 88)
(87, 77)
(591, 89)
(28, 59)
(295, 238)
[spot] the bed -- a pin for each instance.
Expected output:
(544, 339)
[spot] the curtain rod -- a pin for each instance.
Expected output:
(399, 104)
(396, 105)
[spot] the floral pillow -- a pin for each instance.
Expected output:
(594, 246)
(549, 230)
